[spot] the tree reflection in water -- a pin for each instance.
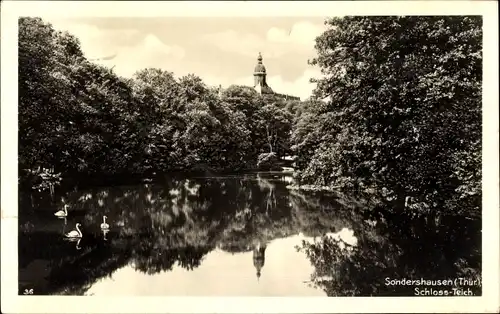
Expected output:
(397, 247)
(178, 221)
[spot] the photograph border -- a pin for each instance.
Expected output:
(11, 302)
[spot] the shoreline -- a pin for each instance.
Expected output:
(312, 187)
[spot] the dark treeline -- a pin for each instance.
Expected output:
(403, 117)
(79, 118)
(400, 115)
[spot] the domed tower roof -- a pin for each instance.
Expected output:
(259, 68)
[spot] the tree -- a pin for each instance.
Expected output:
(74, 116)
(45, 57)
(247, 101)
(405, 97)
(276, 123)
(82, 119)
(189, 126)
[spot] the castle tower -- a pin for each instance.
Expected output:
(259, 75)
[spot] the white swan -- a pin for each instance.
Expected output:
(63, 212)
(75, 233)
(104, 225)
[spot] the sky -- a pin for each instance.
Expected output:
(222, 51)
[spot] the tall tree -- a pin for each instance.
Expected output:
(405, 95)
(45, 57)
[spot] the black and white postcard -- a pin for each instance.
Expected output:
(249, 157)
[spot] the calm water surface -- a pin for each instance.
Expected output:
(244, 235)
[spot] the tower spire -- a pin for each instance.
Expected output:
(260, 84)
(259, 74)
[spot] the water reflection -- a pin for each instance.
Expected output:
(244, 235)
(259, 256)
(222, 273)
(397, 248)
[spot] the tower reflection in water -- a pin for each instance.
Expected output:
(259, 257)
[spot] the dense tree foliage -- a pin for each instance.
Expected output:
(403, 110)
(400, 115)
(76, 117)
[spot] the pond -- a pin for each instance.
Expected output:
(235, 235)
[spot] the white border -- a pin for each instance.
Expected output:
(12, 303)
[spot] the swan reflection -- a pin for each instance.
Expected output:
(77, 240)
(104, 233)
